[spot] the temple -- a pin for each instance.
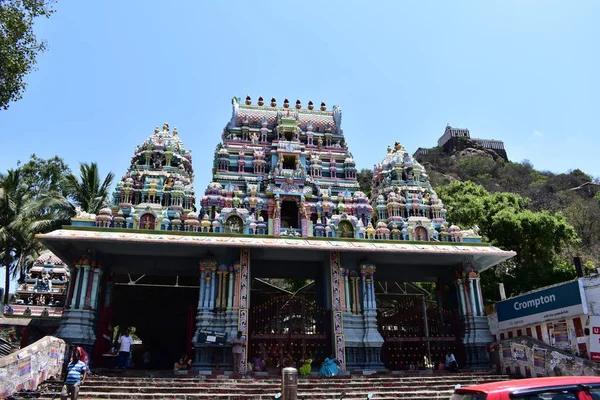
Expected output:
(284, 204)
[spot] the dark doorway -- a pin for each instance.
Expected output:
(289, 214)
(163, 310)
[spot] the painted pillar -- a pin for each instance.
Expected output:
(201, 297)
(95, 288)
(344, 304)
(471, 288)
(347, 292)
(211, 299)
(339, 344)
(86, 277)
(365, 296)
(478, 286)
(230, 291)
(461, 297)
(71, 300)
(88, 290)
(372, 294)
(244, 304)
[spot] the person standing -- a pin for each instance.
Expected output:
(451, 364)
(238, 343)
(76, 374)
(125, 342)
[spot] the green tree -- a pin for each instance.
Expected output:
(539, 238)
(89, 192)
(22, 217)
(19, 45)
(45, 175)
(365, 179)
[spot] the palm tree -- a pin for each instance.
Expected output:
(89, 193)
(22, 216)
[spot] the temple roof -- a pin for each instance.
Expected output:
(71, 241)
(319, 120)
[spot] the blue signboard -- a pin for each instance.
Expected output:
(556, 302)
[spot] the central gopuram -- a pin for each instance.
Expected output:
(283, 205)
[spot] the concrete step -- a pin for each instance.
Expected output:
(199, 387)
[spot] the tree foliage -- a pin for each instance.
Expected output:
(365, 179)
(89, 191)
(22, 216)
(45, 175)
(19, 46)
(506, 221)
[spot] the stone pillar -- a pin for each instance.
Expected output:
(204, 317)
(339, 344)
(373, 341)
(78, 322)
(95, 288)
(475, 331)
(84, 286)
(347, 292)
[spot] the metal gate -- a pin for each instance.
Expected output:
(417, 334)
(287, 325)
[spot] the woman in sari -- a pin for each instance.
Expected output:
(329, 366)
(306, 367)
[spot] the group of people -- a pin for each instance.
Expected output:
(258, 363)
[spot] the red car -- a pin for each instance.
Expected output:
(555, 388)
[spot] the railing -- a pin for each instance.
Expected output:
(29, 367)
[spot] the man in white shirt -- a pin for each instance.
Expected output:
(125, 342)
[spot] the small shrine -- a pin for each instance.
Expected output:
(44, 290)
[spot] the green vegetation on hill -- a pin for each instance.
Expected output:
(546, 218)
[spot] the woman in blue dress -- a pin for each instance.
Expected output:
(329, 366)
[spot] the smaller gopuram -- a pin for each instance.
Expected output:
(157, 191)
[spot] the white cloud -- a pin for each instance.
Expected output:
(537, 133)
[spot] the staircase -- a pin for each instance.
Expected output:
(382, 386)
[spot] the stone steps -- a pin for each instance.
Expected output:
(222, 387)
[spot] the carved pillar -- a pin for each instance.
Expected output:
(96, 288)
(72, 286)
(347, 292)
(84, 286)
(343, 301)
(211, 298)
(78, 323)
(244, 305)
(230, 291)
(475, 332)
(373, 341)
(204, 316)
(339, 344)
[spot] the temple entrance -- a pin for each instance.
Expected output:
(287, 327)
(289, 214)
(417, 333)
(163, 310)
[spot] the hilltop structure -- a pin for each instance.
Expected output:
(283, 203)
(457, 139)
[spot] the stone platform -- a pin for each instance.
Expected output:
(166, 385)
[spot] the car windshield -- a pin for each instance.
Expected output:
(468, 396)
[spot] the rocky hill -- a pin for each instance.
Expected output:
(574, 193)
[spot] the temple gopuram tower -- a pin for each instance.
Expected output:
(283, 204)
(285, 171)
(157, 191)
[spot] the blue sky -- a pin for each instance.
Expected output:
(525, 72)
